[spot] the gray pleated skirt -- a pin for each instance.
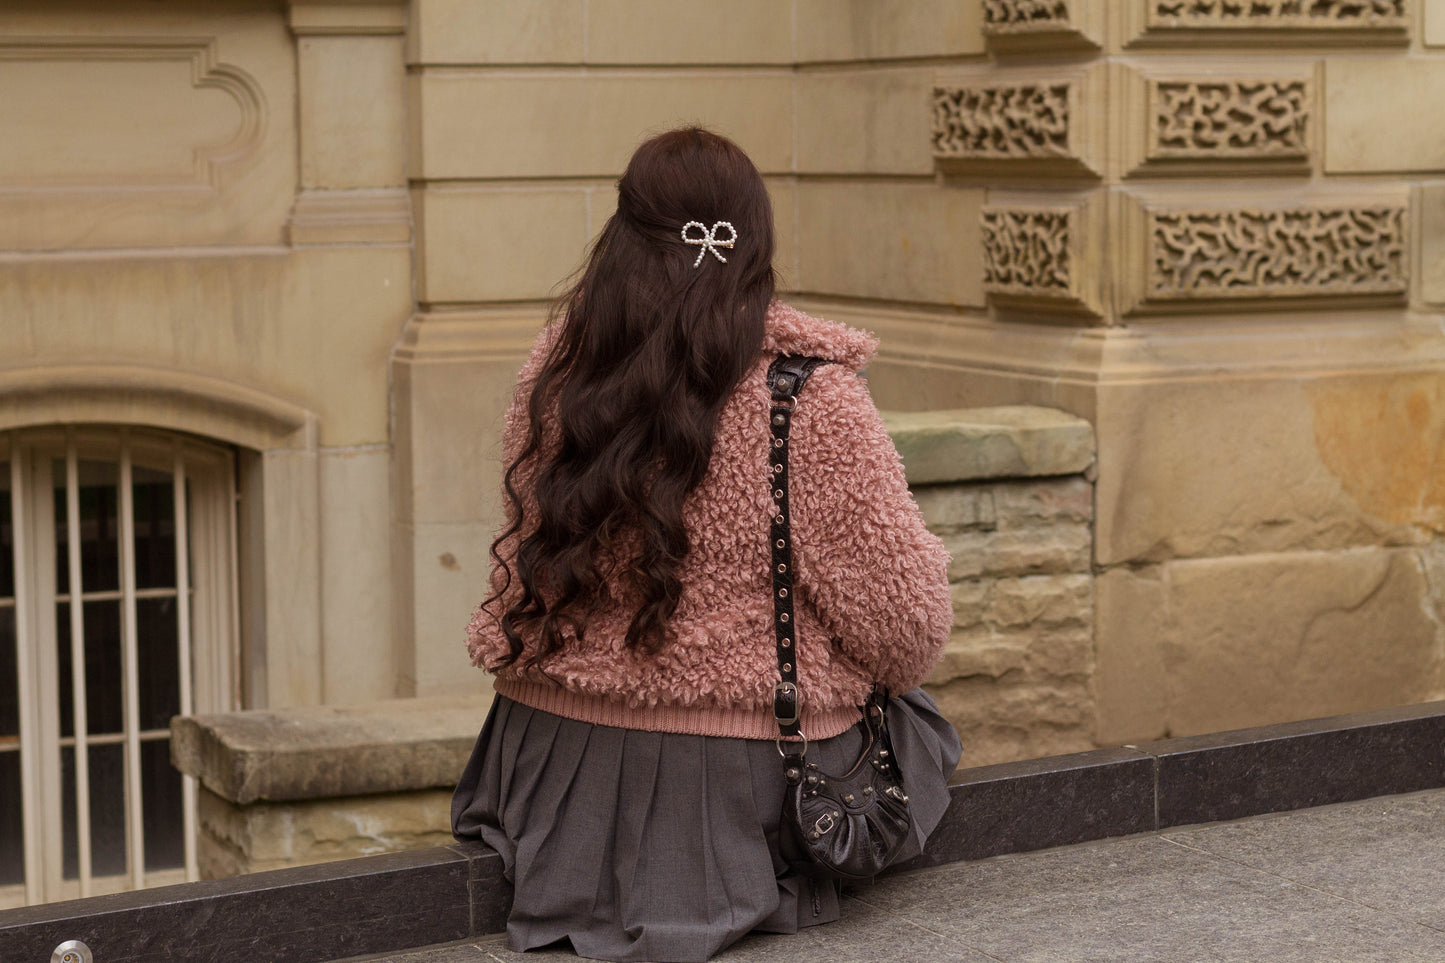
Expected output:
(640, 845)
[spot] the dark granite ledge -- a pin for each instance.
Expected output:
(343, 908)
(1296, 765)
(1038, 803)
(397, 901)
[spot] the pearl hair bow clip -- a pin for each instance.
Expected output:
(709, 240)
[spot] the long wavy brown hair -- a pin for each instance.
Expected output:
(649, 349)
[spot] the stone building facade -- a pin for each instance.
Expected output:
(281, 258)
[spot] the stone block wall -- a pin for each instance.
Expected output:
(1010, 492)
(1015, 677)
(521, 118)
(288, 787)
(1212, 230)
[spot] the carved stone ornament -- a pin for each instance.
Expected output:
(1263, 21)
(1041, 23)
(1026, 252)
(1007, 16)
(1274, 14)
(1230, 119)
(1045, 122)
(1262, 253)
(1262, 121)
(1036, 257)
(1025, 121)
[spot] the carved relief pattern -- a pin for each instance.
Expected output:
(1001, 122)
(1008, 16)
(1026, 252)
(1231, 119)
(1254, 253)
(1278, 13)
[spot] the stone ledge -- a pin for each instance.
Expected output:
(347, 908)
(1013, 441)
(325, 751)
(376, 904)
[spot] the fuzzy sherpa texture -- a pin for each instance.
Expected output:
(871, 592)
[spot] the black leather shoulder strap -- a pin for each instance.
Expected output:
(789, 372)
(786, 377)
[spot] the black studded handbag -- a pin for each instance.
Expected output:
(847, 825)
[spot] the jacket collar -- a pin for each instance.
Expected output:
(789, 331)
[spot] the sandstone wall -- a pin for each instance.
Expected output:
(326, 232)
(204, 227)
(1211, 230)
(522, 116)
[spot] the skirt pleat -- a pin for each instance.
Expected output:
(638, 845)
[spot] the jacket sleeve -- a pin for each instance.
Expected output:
(875, 576)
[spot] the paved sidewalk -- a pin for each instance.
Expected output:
(1355, 883)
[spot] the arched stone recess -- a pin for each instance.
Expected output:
(279, 515)
(158, 397)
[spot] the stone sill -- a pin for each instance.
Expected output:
(397, 901)
(319, 752)
(967, 444)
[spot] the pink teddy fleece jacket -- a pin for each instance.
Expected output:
(872, 599)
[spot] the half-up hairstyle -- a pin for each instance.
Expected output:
(649, 349)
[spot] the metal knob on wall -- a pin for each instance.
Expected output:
(71, 951)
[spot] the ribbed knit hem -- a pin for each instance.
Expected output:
(695, 720)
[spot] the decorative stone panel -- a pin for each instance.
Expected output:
(1378, 19)
(1232, 118)
(1261, 122)
(1010, 123)
(1277, 13)
(1042, 23)
(1197, 255)
(1028, 121)
(1027, 252)
(1041, 258)
(203, 155)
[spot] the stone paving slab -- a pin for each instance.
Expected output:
(1386, 853)
(1358, 882)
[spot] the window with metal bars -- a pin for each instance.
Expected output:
(117, 612)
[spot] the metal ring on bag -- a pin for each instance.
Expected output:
(778, 741)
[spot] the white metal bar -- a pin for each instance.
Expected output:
(77, 663)
(30, 807)
(135, 835)
(114, 738)
(113, 595)
(183, 615)
(227, 684)
(45, 643)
